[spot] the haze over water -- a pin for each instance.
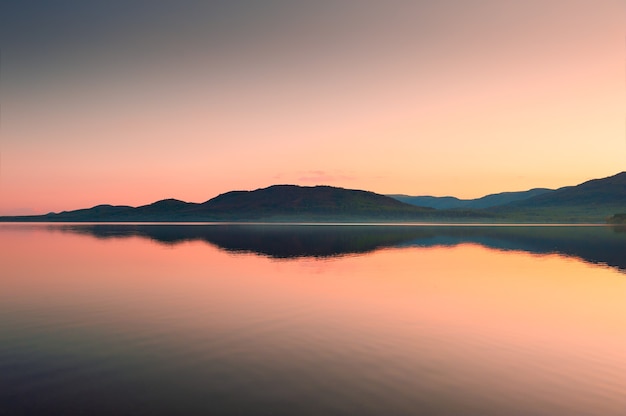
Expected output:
(306, 320)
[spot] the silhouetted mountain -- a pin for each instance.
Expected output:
(450, 202)
(275, 203)
(115, 213)
(611, 190)
(97, 213)
(319, 201)
(594, 200)
(437, 202)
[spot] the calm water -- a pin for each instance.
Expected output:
(312, 320)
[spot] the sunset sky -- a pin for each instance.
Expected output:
(129, 102)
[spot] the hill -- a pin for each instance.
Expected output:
(319, 201)
(275, 203)
(488, 201)
(594, 200)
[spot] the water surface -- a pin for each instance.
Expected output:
(257, 319)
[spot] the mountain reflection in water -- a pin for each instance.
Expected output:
(232, 319)
(595, 244)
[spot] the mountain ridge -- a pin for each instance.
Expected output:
(274, 203)
(451, 202)
(610, 189)
(595, 200)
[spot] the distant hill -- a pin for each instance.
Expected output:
(292, 198)
(594, 200)
(450, 202)
(291, 201)
(275, 203)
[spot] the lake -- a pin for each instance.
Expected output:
(226, 319)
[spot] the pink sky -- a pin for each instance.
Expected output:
(463, 98)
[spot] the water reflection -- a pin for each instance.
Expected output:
(595, 244)
(122, 325)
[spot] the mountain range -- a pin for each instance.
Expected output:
(592, 201)
(275, 203)
(451, 202)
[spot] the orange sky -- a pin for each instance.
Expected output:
(123, 103)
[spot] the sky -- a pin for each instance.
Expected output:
(129, 102)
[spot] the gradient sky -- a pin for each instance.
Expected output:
(128, 102)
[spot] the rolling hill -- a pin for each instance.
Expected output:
(275, 203)
(488, 201)
(594, 200)
(318, 201)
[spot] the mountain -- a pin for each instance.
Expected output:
(437, 202)
(611, 190)
(318, 201)
(275, 203)
(594, 200)
(488, 201)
